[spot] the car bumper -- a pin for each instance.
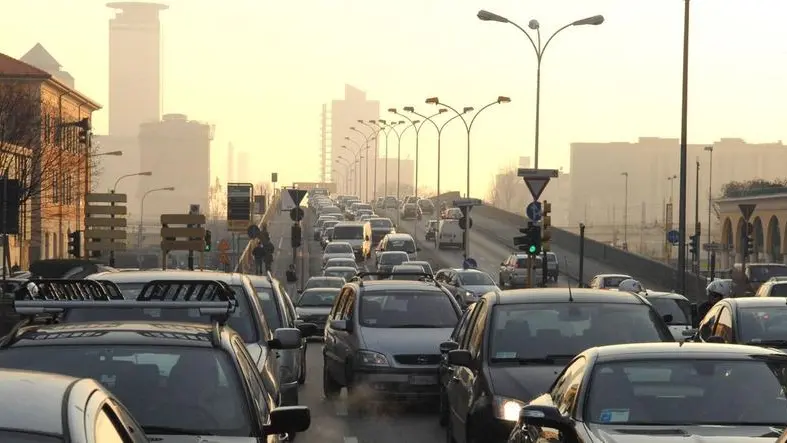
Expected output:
(289, 393)
(401, 384)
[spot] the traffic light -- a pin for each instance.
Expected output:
(546, 225)
(748, 240)
(295, 235)
(75, 244)
(208, 243)
(84, 130)
(694, 244)
(531, 241)
(523, 242)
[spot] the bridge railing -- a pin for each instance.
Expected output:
(246, 261)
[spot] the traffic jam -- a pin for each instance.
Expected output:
(609, 361)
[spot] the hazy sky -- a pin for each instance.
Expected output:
(260, 70)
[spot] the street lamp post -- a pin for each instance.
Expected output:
(539, 49)
(710, 195)
(145, 174)
(346, 173)
(626, 209)
(390, 128)
(439, 137)
(368, 139)
(468, 127)
(671, 180)
(399, 162)
(352, 183)
(376, 129)
(357, 156)
(142, 211)
(361, 149)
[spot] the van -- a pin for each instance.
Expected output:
(399, 242)
(449, 234)
(352, 233)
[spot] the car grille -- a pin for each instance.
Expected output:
(418, 359)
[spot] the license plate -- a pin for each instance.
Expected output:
(422, 380)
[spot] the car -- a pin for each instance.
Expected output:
(327, 237)
(340, 262)
(399, 242)
(775, 287)
(430, 233)
(553, 266)
(509, 347)
(423, 264)
(426, 206)
(177, 378)
(671, 392)
(513, 271)
(320, 222)
(344, 272)
(410, 211)
(382, 339)
(608, 281)
(467, 285)
(337, 249)
(314, 305)
(381, 227)
(410, 272)
(760, 321)
(321, 281)
(676, 310)
(449, 234)
(387, 260)
(390, 203)
(280, 313)
(43, 407)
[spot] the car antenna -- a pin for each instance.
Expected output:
(570, 295)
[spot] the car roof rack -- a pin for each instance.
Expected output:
(51, 297)
(426, 276)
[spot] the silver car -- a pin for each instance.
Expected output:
(337, 249)
(384, 336)
(57, 408)
(280, 313)
(345, 272)
(340, 262)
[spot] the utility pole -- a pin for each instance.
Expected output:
(683, 152)
(697, 226)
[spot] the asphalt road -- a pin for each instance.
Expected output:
(331, 420)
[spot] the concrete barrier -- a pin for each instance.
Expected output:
(246, 263)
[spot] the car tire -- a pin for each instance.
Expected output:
(330, 387)
(302, 375)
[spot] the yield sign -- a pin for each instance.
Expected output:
(297, 195)
(746, 210)
(536, 185)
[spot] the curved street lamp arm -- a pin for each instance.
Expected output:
(470, 126)
(536, 48)
(362, 134)
(428, 119)
(458, 114)
(439, 131)
(121, 178)
(356, 143)
(544, 48)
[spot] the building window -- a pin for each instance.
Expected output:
(55, 190)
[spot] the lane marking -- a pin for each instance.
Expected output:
(351, 440)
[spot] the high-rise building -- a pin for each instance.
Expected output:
(230, 163)
(242, 166)
(345, 114)
(177, 151)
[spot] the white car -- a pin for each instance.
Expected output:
(608, 281)
(337, 249)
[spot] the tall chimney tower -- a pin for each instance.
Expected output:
(134, 66)
(230, 163)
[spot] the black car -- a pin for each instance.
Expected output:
(176, 378)
(760, 321)
(667, 392)
(426, 206)
(509, 348)
(314, 305)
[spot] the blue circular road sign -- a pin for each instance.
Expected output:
(533, 211)
(673, 237)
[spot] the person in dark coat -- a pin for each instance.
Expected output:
(259, 256)
(268, 249)
(292, 277)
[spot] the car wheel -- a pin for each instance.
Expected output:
(302, 375)
(330, 387)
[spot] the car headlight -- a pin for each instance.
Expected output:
(507, 408)
(370, 358)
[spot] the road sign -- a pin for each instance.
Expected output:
(260, 204)
(224, 245)
(253, 231)
(239, 206)
(105, 222)
(292, 198)
(296, 214)
(533, 211)
(747, 210)
(224, 258)
(673, 237)
(182, 237)
(462, 202)
(716, 247)
(536, 180)
(274, 177)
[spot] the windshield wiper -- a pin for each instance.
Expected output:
(166, 430)
(549, 359)
(416, 325)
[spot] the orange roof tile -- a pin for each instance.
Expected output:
(11, 67)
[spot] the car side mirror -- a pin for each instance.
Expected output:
(341, 325)
(460, 357)
(448, 346)
(667, 318)
(288, 420)
(286, 338)
(548, 416)
(715, 339)
(307, 329)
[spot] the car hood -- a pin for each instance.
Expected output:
(688, 434)
(313, 311)
(199, 439)
(480, 290)
(523, 382)
(405, 340)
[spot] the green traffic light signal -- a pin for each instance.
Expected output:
(531, 249)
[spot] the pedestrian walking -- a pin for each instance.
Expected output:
(268, 250)
(292, 279)
(259, 257)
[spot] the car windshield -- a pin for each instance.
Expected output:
(345, 274)
(8, 436)
(536, 330)
(404, 245)
(318, 298)
(393, 259)
(407, 308)
(338, 248)
(767, 323)
(426, 267)
(322, 282)
(476, 279)
(330, 224)
(195, 390)
(381, 223)
(551, 258)
(241, 320)
(779, 289)
(331, 210)
(614, 282)
(689, 392)
(341, 262)
(679, 309)
(761, 273)
(270, 308)
(348, 232)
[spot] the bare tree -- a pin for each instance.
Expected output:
(217, 201)
(263, 188)
(505, 189)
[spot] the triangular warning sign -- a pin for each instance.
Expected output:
(297, 195)
(746, 210)
(536, 185)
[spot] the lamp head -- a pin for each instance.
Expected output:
(533, 24)
(352, 128)
(441, 110)
(392, 110)
(371, 121)
(490, 17)
(503, 99)
(383, 121)
(416, 121)
(360, 121)
(409, 109)
(400, 122)
(169, 188)
(467, 109)
(432, 101)
(593, 21)
(346, 138)
(146, 173)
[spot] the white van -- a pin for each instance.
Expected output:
(449, 234)
(352, 233)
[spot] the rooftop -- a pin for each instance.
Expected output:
(11, 67)
(682, 350)
(119, 333)
(561, 295)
